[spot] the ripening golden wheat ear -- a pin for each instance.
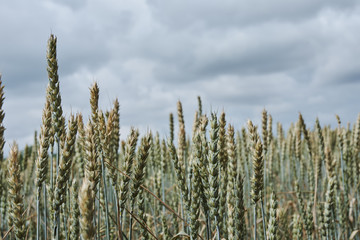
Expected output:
(179, 157)
(195, 189)
(65, 164)
(113, 135)
(171, 127)
(265, 143)
(258, 164)
(223, 177)
(94, 104)
(264, 121)
(139, 173)
(63, 172)
(105, 155)
(321, 223)
(180, 176)
(321, 151)
(330, 209)
(92, 168)
(306, 135)
(298, 157)
(269, 129)
(164, 179)
(272, 225)
(232, 167)
(80, 147)
(310, 161)
(57, 120)
(16, 205)
(129, 158)
(54, 88)
(296, 227)
(213, 169)
(87, 210)
(258, 168)
(240, 226)
(181, 139)
(116, 128)
(195, 127)
(42, 159)
(203, 169)
(104, 136)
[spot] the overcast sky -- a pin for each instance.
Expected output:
(238, 55)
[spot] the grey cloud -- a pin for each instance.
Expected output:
(273, 47)
(232, 13)
(22, 53)
(22, 117)
(83, 41)
(260, 90)
(73, 4)
(266, 58)
(352, 77)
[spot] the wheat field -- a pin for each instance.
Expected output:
(80, 180)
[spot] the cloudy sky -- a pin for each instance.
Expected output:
(238, 55)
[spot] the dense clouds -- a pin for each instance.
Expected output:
(286, 56)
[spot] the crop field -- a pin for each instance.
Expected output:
(79, 179)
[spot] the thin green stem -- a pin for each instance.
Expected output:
(182, 210)
(106, 202)
(209, 221)
(255, 233)
(65, 223)
(117, 210)
(57, 217)
(52, 169)
(38, 214)
(99, 212)
(45, 211)
(217, 229)
(263, 217)
(130, 223)
(208, 234)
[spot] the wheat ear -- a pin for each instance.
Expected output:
(272, 225)
(42, 160)
(139, 174)
(258, 166)
(87, 210)
(213, 169)
(16, 199)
